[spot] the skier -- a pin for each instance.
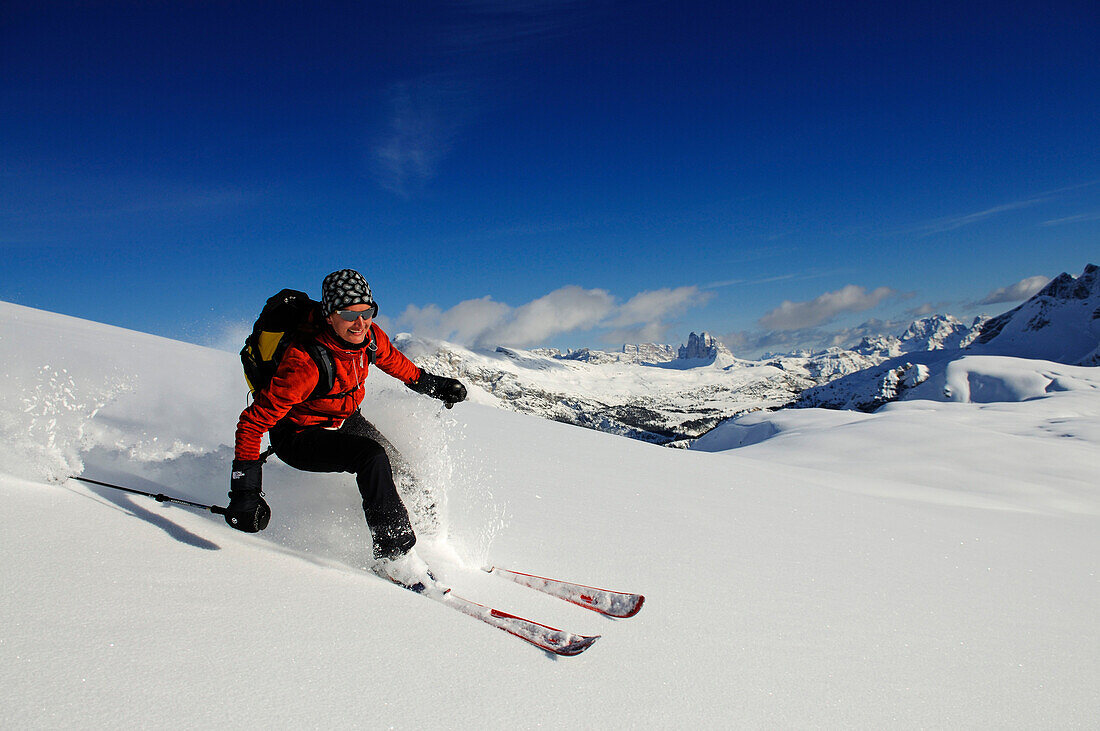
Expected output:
(329, 434)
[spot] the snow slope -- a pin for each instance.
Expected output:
(933, 564)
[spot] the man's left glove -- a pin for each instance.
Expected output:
(247, 509)
(448, 390)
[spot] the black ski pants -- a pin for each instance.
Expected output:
(355, 447)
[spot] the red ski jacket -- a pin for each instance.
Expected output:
(296, 377)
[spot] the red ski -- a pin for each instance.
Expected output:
(542, 636)
(611, 603)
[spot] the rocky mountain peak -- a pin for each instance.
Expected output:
(702, 346)
(1060, 323)
(1068, 287)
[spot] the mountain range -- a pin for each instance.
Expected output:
(671, 395)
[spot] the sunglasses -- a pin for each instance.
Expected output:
(352, 315)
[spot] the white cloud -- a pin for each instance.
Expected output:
(463, 323)
(800, 315)
(564, 310)
(658, 305)
(1022, 290)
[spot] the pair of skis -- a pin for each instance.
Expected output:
(560, 642)
(610, 603)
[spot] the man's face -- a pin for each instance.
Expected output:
(354, 331)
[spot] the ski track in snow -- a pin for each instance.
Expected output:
(931, 564)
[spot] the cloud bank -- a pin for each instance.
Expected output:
(648, 316)
(484, 322)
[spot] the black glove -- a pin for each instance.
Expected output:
(247, 509)
(448, 390)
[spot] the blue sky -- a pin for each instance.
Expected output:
(548, 173)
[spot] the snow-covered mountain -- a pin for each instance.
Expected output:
(644, 392)
(932, 564)
(1060, 324)
(939, 332)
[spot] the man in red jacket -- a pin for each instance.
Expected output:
(328, 433)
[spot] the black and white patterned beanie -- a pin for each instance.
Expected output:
(342, 289)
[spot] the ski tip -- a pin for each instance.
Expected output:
(576, 646)
(637, 607)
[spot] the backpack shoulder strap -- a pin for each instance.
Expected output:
(326, 371)
(372, 346)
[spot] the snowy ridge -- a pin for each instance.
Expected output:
(1061, 323)
(853, 570)
(630, 353)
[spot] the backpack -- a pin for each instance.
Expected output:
(288, 317)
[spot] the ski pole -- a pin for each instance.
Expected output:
(159, 498)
